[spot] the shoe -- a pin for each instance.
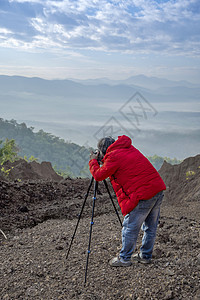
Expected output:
(136, 257)
(119, 262)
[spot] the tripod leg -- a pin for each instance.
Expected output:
(106, 185)
(92, 179)
(91, 223)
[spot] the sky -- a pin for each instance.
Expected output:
(100, 38)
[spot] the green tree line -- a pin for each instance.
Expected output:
(70, 159)
(66, 157)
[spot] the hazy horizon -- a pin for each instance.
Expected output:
(158, 120)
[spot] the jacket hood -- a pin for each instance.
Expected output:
(122, 142)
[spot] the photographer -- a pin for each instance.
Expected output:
(139, 190)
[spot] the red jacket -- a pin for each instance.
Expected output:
(132, 175)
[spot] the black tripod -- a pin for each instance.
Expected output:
(91, 223)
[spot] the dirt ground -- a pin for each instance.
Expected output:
(38, 218)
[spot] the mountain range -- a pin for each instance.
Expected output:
(159, 114)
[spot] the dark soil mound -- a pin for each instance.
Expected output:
(27, 203)
(182, 181)
(24, 170)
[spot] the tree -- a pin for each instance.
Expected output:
(8, 151)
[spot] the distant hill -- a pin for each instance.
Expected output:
(151, 83)
(153, 88)
(15, 85)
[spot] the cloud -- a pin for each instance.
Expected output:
(146, 26)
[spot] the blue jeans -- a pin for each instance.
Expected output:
(145, 214)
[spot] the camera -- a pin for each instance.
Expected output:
(96, 151)
(100, 156)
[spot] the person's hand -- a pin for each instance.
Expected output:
(94, 155)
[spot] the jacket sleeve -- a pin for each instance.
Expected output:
(100, 173)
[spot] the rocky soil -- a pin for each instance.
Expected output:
(38, 218)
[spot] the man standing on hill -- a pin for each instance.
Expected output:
(139, 190)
